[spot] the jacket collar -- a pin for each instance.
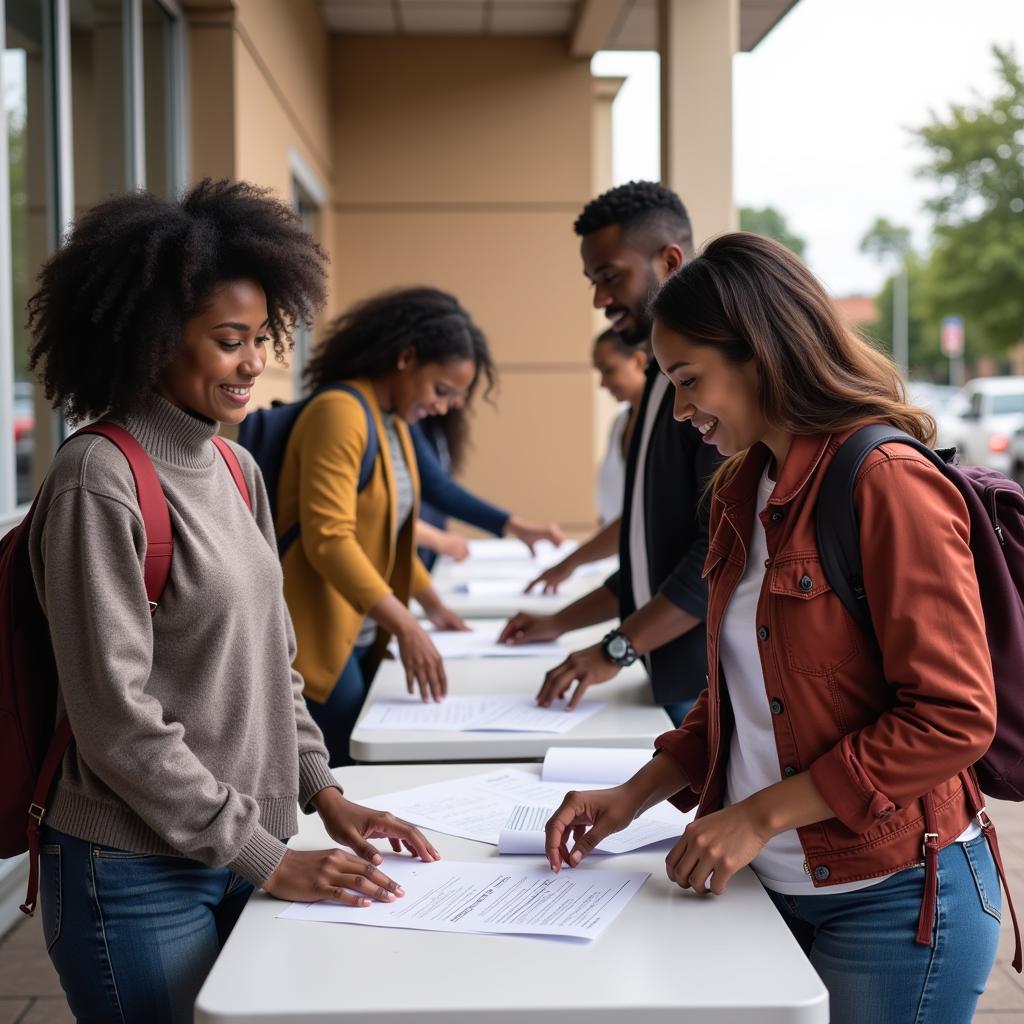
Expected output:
(804, 457)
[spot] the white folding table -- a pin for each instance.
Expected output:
(671, 957)
(629, 720)
(490, 582)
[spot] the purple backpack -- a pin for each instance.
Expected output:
(996, 507)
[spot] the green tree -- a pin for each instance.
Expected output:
(925, 359)
(770, 222)
(885, 240)
(976, 158)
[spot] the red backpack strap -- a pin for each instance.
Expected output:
(152, 504)
(235, 468)
(970, 781)
(157, 567)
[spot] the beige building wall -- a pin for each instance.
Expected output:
(461, 163)
(260, 97)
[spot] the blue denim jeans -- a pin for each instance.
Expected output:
(862, 943)
(132, 936)
(337, 716)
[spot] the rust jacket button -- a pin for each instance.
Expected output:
(821, 873)
(762, 632)
(806, 583)
(776, 706)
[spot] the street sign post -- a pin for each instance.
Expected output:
(951, 340)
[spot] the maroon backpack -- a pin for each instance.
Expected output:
(32, 742)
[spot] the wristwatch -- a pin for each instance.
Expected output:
(618, 649)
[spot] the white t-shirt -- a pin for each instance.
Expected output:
(611, 480)
(640, 575)
(753, 756)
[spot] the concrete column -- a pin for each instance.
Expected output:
(697, 41)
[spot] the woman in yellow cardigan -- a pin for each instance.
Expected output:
(348, 580)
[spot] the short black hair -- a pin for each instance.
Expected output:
(366, 340)
(641, 207)
(112, 303)
(612, 337)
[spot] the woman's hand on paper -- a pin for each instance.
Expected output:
(584, 668)
(716, 846)
(305, 876)
(531, 533)
(424, 667)
(442, 618)
(354, 825)
(551, 579)
(587, 817)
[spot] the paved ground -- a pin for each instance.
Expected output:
(31, 994)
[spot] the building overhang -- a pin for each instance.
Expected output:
(586, 25)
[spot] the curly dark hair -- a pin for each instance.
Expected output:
(113, 301)
(645, 209)
(366, 340)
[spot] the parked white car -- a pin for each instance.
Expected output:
(982, 420)
(1017, 456)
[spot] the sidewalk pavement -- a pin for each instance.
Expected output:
(31, 994)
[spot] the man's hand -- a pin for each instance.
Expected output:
(584, 668)
(524, 628)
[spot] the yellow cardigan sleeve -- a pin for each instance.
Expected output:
(333, 438)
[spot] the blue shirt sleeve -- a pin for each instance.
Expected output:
(438, 488)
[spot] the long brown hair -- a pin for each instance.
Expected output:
(752, 298)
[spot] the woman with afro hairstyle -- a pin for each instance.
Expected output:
(409, 354)
(193, 744)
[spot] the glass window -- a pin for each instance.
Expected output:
(26, 65)
(98, 109)
(1005, 405)
(309, 213)
(158, 88)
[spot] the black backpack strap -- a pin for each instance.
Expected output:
(372, 441)
(835, 515)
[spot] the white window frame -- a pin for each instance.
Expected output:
(61, 179)
(308, 189)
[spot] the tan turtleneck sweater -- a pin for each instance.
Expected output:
(191, 734)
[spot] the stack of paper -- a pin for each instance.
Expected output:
(490, 898)
(514, 805)
(500, 713)
(484, 644)
(545, 553)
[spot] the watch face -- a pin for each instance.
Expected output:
(617, 646)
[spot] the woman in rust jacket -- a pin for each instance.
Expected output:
(834, 768)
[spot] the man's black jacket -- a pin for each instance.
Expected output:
(678, 467)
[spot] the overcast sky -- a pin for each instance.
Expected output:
(821, 112)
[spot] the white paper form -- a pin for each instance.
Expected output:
(495, 550)
(523, 831)
(496, 713)
(584, 766)
(491, 898)
(478, 807)
(484, 644)
(475, 807)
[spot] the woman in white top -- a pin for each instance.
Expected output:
(622, 368)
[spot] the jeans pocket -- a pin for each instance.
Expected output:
(50, 883)
(986, 879)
